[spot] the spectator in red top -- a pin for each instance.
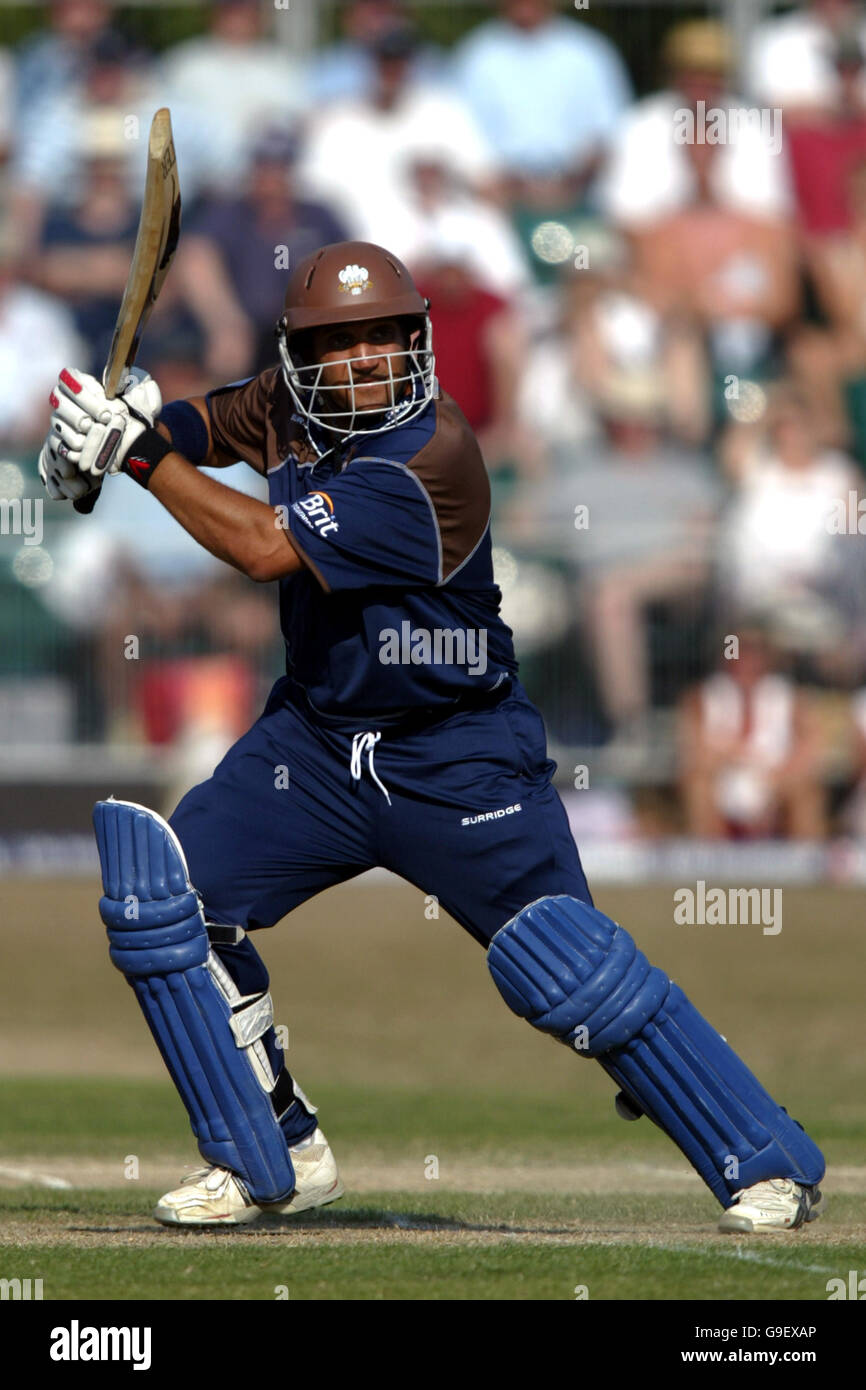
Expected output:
(829, 359)
(823, 150)
(479, 344)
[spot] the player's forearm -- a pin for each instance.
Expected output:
(103, 269)
(206, 285)
(235, 528)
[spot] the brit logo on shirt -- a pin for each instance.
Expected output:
(316, 510)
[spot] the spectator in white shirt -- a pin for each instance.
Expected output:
(238, 80)
(778, 549)
(790, 58)
(750, 746)
(359, 155)
(650, 174)
(37, 338)
(441, 211)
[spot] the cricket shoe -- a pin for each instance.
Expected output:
(778, 1205)
(217, 1197)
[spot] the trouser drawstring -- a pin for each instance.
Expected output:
(365, 742)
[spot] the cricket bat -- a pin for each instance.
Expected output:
(155, 245)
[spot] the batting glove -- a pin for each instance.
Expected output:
(60, 477)
(93, 432)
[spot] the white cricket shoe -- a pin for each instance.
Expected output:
(217, 1197)
(317, 1181)
(778, 1205)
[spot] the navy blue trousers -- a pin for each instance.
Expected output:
(472, 817)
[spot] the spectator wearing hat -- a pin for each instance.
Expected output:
(665, 139)
(233, 258)
(119, 91)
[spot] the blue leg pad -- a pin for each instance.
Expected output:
(573, 973)
(210, 1036)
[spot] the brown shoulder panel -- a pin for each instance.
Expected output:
(251, 421)
(452, 471)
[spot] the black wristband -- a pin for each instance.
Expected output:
(146, 454)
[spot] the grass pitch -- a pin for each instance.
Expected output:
(480, 1160)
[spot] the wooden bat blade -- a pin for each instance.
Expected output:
(155, 245)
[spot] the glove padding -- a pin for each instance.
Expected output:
(91, 435)
(60, 477)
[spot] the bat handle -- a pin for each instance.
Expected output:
(86, 504)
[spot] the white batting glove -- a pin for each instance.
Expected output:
(60, 477)
(140, 393)
(94, 433)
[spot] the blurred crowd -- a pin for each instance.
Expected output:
(652, 310)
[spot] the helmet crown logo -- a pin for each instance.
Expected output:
(354, 279)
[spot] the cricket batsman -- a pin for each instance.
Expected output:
(399, 736)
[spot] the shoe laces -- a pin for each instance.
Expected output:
(771, 1193)
(201, 1173)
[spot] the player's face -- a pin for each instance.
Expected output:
(357, 362)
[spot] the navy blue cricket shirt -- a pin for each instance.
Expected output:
(396, 608)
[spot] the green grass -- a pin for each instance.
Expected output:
(431, 1243)
(417, 1273)
(68, 1116)
(96, 1116)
